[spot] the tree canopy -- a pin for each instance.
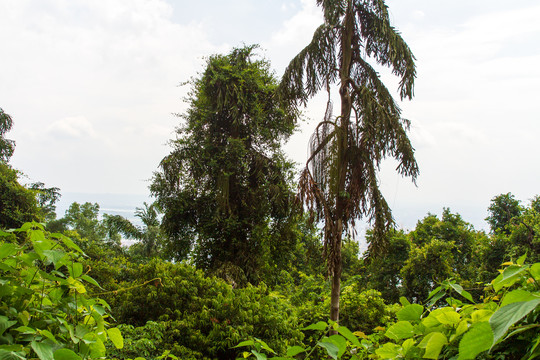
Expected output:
(6, 146)
(226, 186)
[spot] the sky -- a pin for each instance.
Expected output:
(93, 86)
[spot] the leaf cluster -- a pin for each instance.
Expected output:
(45, 307)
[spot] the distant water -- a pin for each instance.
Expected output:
(113, 204)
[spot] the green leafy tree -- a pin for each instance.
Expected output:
(426, 267)
(501, 210)
(225, 187)
(82, 222)
(18, 204)
(384, 270)
(340, 179)
(46, 199)
(453, 229)
(6, 146)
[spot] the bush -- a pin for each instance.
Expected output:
(45, 308)
(198, 315)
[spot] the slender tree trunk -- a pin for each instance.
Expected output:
(336, 276)
(343, 136)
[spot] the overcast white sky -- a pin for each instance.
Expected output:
(92, 85)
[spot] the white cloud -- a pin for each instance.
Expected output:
(72, 127)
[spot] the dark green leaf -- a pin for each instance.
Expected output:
(348, 335)
(66, 354)
(295, 350)
(8, 249)
(331, 349)
(44, 350)
(508, 315)
(258, 355)
(321, 325)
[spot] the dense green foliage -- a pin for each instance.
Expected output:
(226, 266)
(6, 146)
(226, 186)
(18, 204)
(45, 308)
(195, 313)
(504, 325)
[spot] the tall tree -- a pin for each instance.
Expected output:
(6, 146)
(502, 209)
(339, 181)
(225, 187)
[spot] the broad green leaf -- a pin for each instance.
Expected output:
(461, 328)
(265, 346)
(434, 345)
(76, 269)
(407, 345)
(448, 318)
(535, 271)
(411, 312)
(55, 256)
(348, 335)
(258, 355)
(97, 349)
(404, 302)
(25, 330)
(321, 325)
(41, 246)
(11, 355)
(479, 338)
(517, 296)
(295, 350)
(24, 317)
(508, 277)
(481, 315)
(459, 289)
(8, 249)
(36, 235)
(5, 324)
(66, 354)
(331, 349)
(400, 330)
(43, 350)
(434, 291)
(90, 280)
(245, 343)
(77, 285)
(508, 315)
(116, 337)
(521, 259)
(69, 243)
(439, 295)
(340, 342)
(388, 351)
(48, 335)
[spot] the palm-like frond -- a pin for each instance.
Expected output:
(314, 67)
(340, 181)
(120, 224)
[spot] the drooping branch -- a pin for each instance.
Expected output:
(312, 68)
